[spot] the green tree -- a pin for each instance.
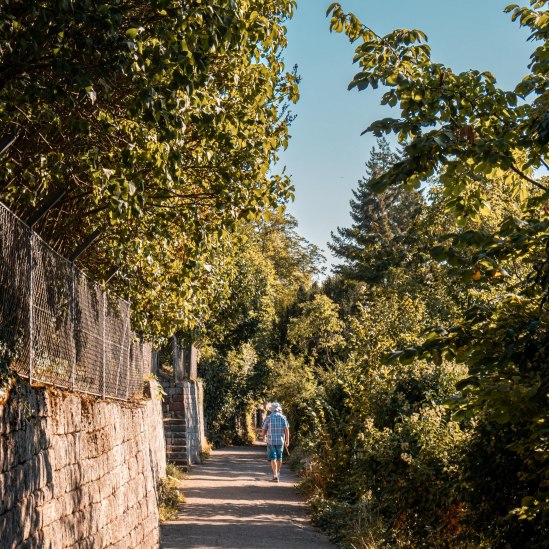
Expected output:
(160, 121)
(382, 224)
(317, 331)
(463, 128)
(296, 261)
(270, 264)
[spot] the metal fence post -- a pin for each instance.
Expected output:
(154, 362)
(31, 307)
(73, 326)
(128, 369)
(104, 365)
(175, 356)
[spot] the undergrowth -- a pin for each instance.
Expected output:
(170, 495)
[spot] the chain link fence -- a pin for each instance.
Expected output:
(58, 327)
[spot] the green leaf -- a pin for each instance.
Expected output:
(133, 32)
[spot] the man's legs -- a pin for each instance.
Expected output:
(278, 460)
(274, 467)
(275, 456)
(272, 454)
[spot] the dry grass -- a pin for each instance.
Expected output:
(170, 494)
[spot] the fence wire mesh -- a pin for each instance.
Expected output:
(58, 327)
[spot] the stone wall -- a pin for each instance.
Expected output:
(183, 409)
(78, 472)
(193, 398)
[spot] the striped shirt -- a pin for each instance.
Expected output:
(275, 425)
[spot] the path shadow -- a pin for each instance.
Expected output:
(232, 504)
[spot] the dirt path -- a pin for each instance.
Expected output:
(232, 504)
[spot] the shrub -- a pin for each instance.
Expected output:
(170, 496)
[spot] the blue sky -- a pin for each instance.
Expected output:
(326, 154)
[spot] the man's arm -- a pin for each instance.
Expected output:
(286, 436)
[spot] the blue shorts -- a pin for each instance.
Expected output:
(274, 452)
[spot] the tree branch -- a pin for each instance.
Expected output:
(529, 179)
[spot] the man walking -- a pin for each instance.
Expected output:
(276, 432)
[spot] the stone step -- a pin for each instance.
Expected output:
(178, 444)
(174, 425)
(170, 414)
(174, 421)
(177, 460)
(175, 441)
(175, 433)
(176, 457)
(170, 444)
(175, 448)
(183, 463)
(175, 429)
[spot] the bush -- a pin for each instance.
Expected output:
(170, 496)
(388, 459)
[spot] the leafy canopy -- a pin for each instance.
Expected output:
(160, 120)
(464, 130)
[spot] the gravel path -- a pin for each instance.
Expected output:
(232, 504)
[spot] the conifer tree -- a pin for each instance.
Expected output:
(379, 236)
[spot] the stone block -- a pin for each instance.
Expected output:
(26, 518)
(151, 539)
(5, 500)
(140, 460)
(47, 492)
(133, 468)
(16, 480)
(52, 538)
(129, 521)
(4, 453)
(113, 507)
(116, 531)
(43, 438)
(142, 511)
(94, 523)
(121, 499)
(67, 527)
(75, 476)
(101, 537)
(94, 493)
(49, 512)
(60, 457)
(6, 525)
(117, 455)
(139, 534)
(83, 446)
(97, 467)
(71, 411)
(87, 543)
(103, 513)
(124, 475)
(23, 443)
(103, 462)
(151, 522)
(90, 444)
(38, 475)
(29, 471)
(101, 443)
(88, 472)
(36, 540)
(84, 499)
(176, 407)
(80, 527)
